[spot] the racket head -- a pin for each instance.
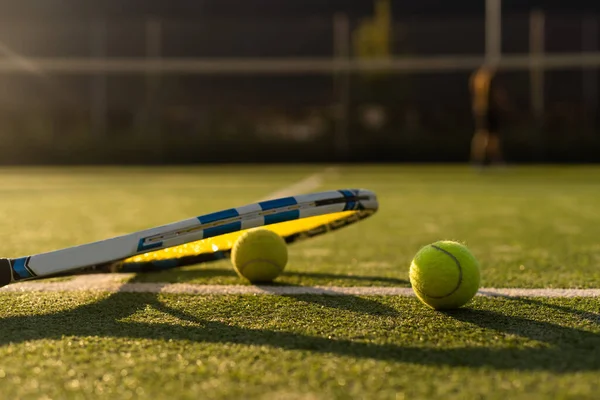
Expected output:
(295, 219)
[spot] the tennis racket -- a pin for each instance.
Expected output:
(197, 240)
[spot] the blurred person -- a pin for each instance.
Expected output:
(488, 100)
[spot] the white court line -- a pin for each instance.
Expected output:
(307, 184)
(113, 283)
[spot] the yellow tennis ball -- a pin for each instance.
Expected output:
(445, 275)
(259, 255)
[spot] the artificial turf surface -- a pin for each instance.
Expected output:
(184, 346)
(529, 227)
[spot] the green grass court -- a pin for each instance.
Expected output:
(530, 227)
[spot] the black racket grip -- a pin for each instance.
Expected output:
(5, 272)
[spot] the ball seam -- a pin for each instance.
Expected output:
(460, 273)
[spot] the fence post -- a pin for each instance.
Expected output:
(493, 31)
(153, 36)
(536, 77)
(589, 39)
(98, 106)
(341, 49)
(536, 49)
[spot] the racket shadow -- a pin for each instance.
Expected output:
(114, 317)
(327, 298)
(358, 278)
(330, 298)
(188, 274)
(183, 275)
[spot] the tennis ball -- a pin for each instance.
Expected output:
(445, 275)
(259, 255)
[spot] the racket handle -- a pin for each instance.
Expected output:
(5, 272)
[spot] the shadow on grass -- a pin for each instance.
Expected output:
(331, 299)
(185, 275)
(565, 350)
(589, 316)
(182, 275)
(357, 278)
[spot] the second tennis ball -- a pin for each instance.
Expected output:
(259, 255)
(445, 275)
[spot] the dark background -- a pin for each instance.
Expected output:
(273, 8)
(53, 118)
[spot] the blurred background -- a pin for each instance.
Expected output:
(152, 82)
